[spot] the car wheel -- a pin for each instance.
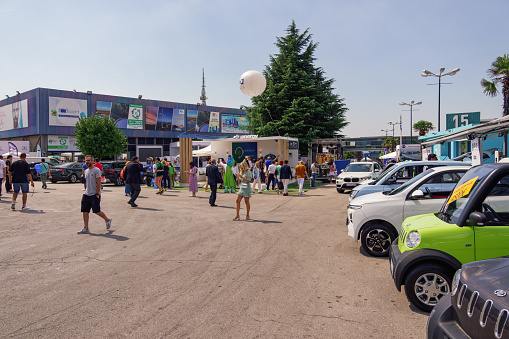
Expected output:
(376, 239)
(73, 178)
(340, 190)
(54, 181)
(119, 181)
(426, 284)
(148, 181)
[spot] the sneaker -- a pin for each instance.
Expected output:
(13, 205)
(133, 204)
(84, 231)
(108, 224)
(24, 208)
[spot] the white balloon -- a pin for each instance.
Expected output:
(252, 83)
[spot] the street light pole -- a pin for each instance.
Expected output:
(393, 124)
(412, 104)
(386, 131)
(427, 73)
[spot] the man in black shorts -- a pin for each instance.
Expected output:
(91, 199)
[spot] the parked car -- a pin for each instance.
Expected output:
(473, 224)
(70, 171)
(112, 171)
(399, 174)
(355, 173)
(35, 175)
(374, 219)
(477, 306)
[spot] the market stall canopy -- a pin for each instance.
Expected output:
(391, 155)
(203, 152)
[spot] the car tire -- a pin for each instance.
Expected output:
(426, 284)
(54, 181)
(119, 181)
(73, 178)
(340, 190)
(376, 239)
(148, 181)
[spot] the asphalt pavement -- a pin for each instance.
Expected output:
(177, 268)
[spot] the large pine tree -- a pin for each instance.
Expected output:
(299, 101)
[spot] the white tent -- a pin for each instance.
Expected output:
(391, 155)
(203, 152)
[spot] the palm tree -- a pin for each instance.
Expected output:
(423, 127)
(499, 74)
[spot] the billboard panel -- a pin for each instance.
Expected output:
(103, 108)
(214, 125)
(14, 148)
(135, 120)
(14, 116)
(178, 122)
(192, 116)
(66, 111)
(120, 113)
(234, 123)
(241, 150)
(62, 143)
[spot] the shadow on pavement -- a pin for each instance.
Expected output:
(31, 211)
(147, 209)
(263, 221)
(110, 235)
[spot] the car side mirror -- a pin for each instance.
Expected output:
(390, 181)
(477, 219)
(343, 170)
(417, 194)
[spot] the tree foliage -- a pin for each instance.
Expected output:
(499, 74)
(423, 127)
(100, 137)
(299, 101)
(390, 142)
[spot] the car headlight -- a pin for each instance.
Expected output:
(353, 194)
(455, 282)
(413, 239)
(355, 207)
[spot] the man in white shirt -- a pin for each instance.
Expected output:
(3, 172)
(272, 171)
(314, 171)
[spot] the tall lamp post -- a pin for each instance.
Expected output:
(427, 73)
(393, 124)
(386, 131)
(411, 104)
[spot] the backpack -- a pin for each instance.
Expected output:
(122, 172)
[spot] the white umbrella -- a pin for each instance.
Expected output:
(391, 155)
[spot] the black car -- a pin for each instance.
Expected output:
(70, 171)
(35, 175)
(478, 306)
(112, 171)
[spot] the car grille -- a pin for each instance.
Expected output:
(351, 179)
(479, 316)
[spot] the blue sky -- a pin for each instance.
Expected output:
(375, 50)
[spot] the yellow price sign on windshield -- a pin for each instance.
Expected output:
(462, 190)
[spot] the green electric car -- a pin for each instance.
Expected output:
(473, 224)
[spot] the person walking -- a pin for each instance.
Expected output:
(332, 171)
(193, 179)
(133, 178)
(213, 178)
(314, 172)
(91, 199)
(171, 172)
(100, 166)
(158, 175)
(123, 175)
(3, 172)
(166, 175)
(280, 186)
(83, 169)
(8, 162)
(245, 177)
(272, 171)
(286, 175)
(44, 173)
(206, 177)
(19, 174)
(301, 173)
(257, 173)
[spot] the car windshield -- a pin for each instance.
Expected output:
(409, 182)
(383, 175)
(67, 164)
(358, 168)
(466, 187)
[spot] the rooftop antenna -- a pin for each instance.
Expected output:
(203, 96)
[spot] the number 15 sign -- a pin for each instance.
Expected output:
(455, 120)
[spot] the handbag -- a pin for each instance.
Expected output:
(243, 185)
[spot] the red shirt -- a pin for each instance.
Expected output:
(99, 166)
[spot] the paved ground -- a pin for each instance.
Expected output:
(177, 268)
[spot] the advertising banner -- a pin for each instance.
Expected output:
(240, 150)
(66, 111)
(214, 122)
(135, 120)
(14, 148)
(192, 116)
(14, 116)
(62, 143)
(178, 122)
(202, 121)
(234, 123)
(103, 109)
(120, 113)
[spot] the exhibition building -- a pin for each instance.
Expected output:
(46, 119)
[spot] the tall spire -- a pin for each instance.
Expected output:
(203, 96)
